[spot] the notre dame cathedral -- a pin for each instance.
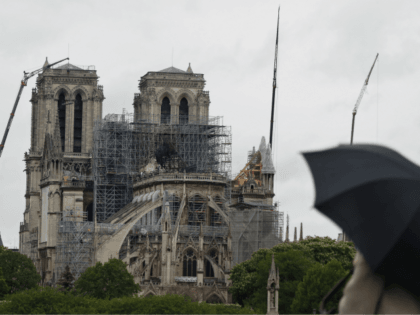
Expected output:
(153, 188)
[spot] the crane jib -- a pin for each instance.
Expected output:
(23, 83)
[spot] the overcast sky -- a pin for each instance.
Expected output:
(326, 49)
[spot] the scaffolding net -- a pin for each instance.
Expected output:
(75, 246)
(254, 229)
(126, 149)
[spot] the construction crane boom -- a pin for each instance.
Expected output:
(23, 83)
(274, 82)
(359, 99)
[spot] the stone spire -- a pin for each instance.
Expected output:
(295, 237)
(287, 230)
(301, 232)
(46, 63)
(268, 167)
(273, 285)
(262, 149)
(189, 70)
(272, 276)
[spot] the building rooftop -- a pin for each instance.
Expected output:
(69, 66)
(172, 70)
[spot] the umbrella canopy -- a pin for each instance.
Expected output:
(373, 193)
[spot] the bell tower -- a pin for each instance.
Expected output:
(65, 103)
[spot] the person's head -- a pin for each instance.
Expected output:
(365, 294)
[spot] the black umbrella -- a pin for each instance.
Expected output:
(373, 193)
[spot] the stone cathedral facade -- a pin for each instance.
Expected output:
(175, 233)
(65, 103)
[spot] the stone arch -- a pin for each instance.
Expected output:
(196, 193)
(169, 93)
(57, 192)
(80, 90)
(112, 246)
(216, 296)
(190, 247)
(187, 94)
(62, 89)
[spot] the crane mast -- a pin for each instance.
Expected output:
(23, 83)
(274, 82)
(359, 99)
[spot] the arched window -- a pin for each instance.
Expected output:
(183, 112)
(165, 111)
(62, 118)
(89, 211)
(78, 116)
(209, 267)
(189, 264)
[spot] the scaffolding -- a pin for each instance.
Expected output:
(75, 246)
(197, 216)
(124, 147)
(253, 229)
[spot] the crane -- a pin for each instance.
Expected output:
(359, 99)
(274, 83)
(23, 83)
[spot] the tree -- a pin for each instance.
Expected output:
(325, 249)
(107, 281)
(66, 280)
(315, 285)
(18, 270)
(292, 265)
(247, 281)
(4, 288)
(51, 301)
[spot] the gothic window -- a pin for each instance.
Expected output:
(165, 111)
(209, 267)
(62, 118)
(197, 210)
(89, 211)
(183, 112)
(78, 116)
(189, 264)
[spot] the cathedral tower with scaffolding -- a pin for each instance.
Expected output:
(66, 101)
(152, 188)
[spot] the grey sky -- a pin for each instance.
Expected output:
(326, 49)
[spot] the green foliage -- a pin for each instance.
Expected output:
(19, 271)
(4, 288)
(51, 301)
(66, 280)
(292, 266)
(108, 281)
(315, 285)
(325, 249)
(249, 283)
